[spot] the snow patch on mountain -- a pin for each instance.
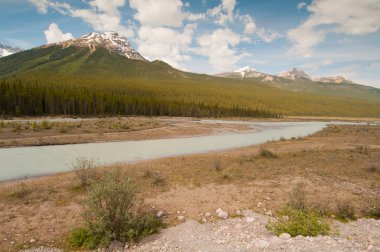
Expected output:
(334, 79)
(112, 41)
(247, 72)
(6, 50)
(295, 74)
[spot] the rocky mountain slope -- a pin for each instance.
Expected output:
(111, 41)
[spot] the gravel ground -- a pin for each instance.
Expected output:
(249, 234)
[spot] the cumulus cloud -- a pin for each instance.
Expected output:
(166, 44)
(224, 12)
(301, 5)
(53, 34)
(348, 17)
(220, 48)
(157, 13)
(102, 15)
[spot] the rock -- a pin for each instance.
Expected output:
(370, 247)
(32, 240)
(181, 218)
(249, 219)
(116, 246)
(238, 212)
(207, 215)
(221, 214)
(160, 214)
(284, 236)
(127, 246)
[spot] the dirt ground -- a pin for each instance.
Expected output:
(338, 164)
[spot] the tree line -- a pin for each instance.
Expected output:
(20, 97)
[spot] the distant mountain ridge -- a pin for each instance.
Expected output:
(295, 74)
(6, 50)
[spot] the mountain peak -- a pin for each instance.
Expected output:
(249, 72)
(112, 41)
(295, 74)
(333, 79)
(6, 50)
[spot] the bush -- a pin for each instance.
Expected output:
(345, 211)
(297, 197)
(84, 169)
(297, 222)
(113, 213)
(267, 153)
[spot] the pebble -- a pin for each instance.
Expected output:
(32, 240)
(181, 218)
(284, 236)
(160, 214)
(221, 214)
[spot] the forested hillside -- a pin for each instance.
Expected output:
(73, 81)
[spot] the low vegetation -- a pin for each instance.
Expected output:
(299, 222)
(266, 153)
(85, 170)
(113, 212)
(296, 219)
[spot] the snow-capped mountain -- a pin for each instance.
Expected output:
(247, 72)
(112, 41)
(335, 79)
(8, 50)
(295, 74)
(242, 73)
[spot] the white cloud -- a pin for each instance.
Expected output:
(157, 13)
(102, 15)
(166, 44)
(224, 12)
(267, 35)
(219, 47)
(301, 5)
(53, 34)
(349, 17)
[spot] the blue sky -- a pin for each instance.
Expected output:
(324, 37)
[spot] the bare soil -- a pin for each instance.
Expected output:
(338, 164)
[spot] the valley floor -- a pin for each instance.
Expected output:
(338, 164)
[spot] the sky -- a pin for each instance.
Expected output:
(323, 37)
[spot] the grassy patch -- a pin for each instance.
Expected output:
(297, 222)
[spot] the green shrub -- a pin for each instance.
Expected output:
(267, 153)
(113, 213)
(297, 222)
